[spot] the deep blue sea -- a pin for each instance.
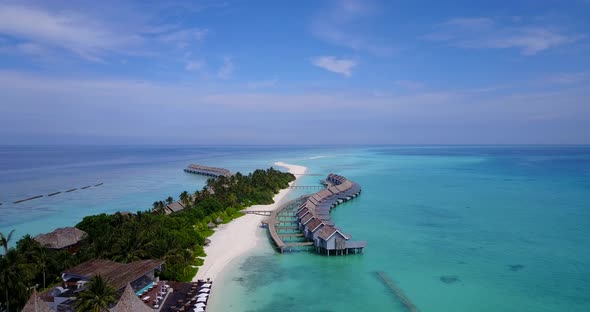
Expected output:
(508, 226)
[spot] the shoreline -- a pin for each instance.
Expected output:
(239, 236)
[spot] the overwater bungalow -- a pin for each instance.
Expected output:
(66, 238)
(313, 216)
(332, 240)
(305, 221)
(312, 228)
(304, 211)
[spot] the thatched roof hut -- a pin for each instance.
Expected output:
(218, 220)
(35, 304)
(211, 225)
(61, 238)
(129, 302)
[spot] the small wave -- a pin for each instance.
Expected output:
(321, 156)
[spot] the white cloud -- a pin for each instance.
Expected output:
(335, 65)
(227, 69)
(195, 65)
(488, 33)
(183, 38)
(36, 30)
(125, 105)
(339, 25)
(77, 33)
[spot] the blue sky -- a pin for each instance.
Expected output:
(305, 72)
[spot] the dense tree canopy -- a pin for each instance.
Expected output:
(176, 238)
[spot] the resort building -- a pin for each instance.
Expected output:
(35, 304)
(129, 301)
(67, 238)
(140, 275)
(173, 207)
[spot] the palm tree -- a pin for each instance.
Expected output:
(42, 262)
(130, 247)
(13, 275)
(4, 240)
(34, 254)
(169, 200)
(97, 296)
(185, 198)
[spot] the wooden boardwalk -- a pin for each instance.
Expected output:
(397, 292)
(286, 227)
(273, 226)
(307, 187)
(299, 244)
(291, 235)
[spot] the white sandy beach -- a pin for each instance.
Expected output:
(240, 235)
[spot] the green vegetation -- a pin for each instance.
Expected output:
(96, 297)
(176, 238)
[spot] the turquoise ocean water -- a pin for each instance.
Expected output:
(510, 224)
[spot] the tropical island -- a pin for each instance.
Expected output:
(164, 242)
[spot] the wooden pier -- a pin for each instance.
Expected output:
(291, 235)
(397, 292)
(286, 227)
(307, 187)
(207, 171)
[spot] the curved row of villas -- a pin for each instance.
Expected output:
(313, 217)
(208, 171)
